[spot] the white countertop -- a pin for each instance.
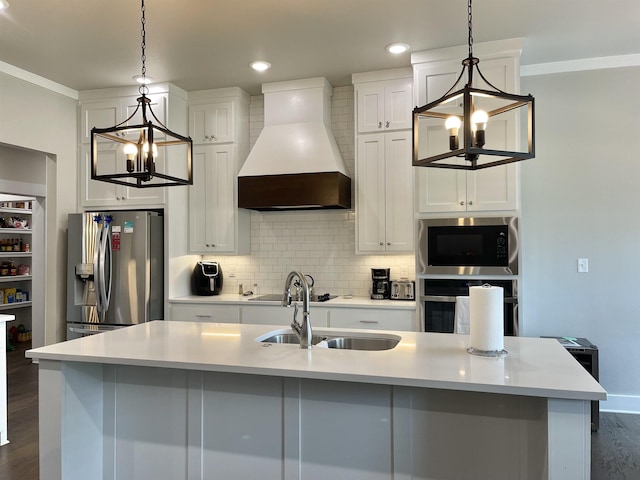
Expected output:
(340, 301)
(536, 367)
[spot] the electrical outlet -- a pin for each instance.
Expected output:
(583, 265)
(232, 274)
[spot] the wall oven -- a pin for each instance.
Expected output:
(439, 302)
(468, 246)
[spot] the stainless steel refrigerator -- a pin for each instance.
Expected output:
(115, 270)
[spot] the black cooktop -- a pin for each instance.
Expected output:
(277, 297)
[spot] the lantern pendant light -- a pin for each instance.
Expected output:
(130, 154)
(467, 129)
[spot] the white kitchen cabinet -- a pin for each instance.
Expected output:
(384, 193)
(279, 315)
(385, 105)
(203, 312)
(448, 190)
(211, 122)
(370, 318)
(216, 224)
(107, 108)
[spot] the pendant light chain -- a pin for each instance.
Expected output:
(143, 88)
(470, 26)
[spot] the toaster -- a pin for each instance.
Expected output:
(403, 290)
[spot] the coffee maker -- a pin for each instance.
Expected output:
(381, 286)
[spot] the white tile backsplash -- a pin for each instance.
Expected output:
(319, 243)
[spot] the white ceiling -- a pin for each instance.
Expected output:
(201, 44)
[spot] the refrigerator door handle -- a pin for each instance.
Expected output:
(96, 270)
(104, 269)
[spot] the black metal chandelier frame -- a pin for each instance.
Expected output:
(148, 139)
(472, 149)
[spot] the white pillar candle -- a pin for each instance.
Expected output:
(486, 318)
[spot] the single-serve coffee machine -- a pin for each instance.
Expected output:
(381, 286)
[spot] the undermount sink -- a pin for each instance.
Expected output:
(335, 340)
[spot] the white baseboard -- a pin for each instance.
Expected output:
(621, 404)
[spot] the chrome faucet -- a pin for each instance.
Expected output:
(302, 330)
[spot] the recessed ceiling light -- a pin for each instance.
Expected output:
(139, 78)
(260, 65)
(397, 48)
(4, 4)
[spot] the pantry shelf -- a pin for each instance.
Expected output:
(16, 231)
(14, 278)
(10, 306)
(15, 254)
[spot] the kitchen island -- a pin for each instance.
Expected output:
(173, 400)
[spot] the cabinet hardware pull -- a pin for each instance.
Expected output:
(461, 203)
(369, 321)
(389, 243)
(203, 316)
(379, 124)
(387, 124)
(470, 202)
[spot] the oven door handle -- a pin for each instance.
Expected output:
(438, 298)
(452, 299)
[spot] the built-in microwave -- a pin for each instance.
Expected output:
(468, 246)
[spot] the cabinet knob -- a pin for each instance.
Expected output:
(387, 124)
(381, 244)
(461, 203)
(388, 244)
(470, 202)
(379, 124)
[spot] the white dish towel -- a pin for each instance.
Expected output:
(462, 315)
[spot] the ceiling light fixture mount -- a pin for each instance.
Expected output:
(138, 149)
(476, 120)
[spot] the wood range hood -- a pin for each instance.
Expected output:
(295, 164)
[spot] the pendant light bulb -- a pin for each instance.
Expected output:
(479, 120)
(453, 125)
(131, 151)
(154, 149)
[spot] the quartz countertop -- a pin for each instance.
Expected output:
(339, 301)
(538, 367)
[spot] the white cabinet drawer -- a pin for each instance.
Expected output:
(371, 319)
(278, 315)
(205, 313)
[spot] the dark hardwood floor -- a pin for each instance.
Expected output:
(615, 448)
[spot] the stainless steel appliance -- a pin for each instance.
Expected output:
(207, 278)
(468, 246)
(115, 270)
(403, 290)
(439, 302)
(381, 285)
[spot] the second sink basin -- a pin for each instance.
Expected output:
(346, 341)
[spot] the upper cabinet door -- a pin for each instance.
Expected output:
(384, 106)
(370, 109)
(211, 123)
(398, 108)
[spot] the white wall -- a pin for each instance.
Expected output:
(580, 199)
(43, 120)
(320, 243)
